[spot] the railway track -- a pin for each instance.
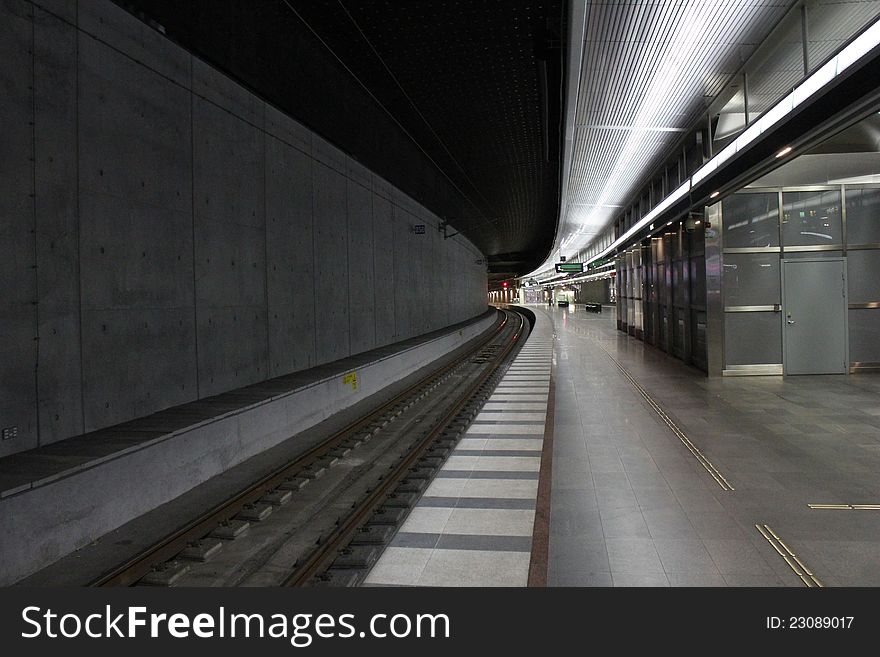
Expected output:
(325, 517)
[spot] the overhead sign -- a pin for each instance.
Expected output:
(569, 267)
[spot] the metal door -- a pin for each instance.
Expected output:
(814, 304)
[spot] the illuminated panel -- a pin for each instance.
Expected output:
(862, 45)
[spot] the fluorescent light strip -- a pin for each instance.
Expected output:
(862, 45)
(785, 151)
(597, 271)
(581, 279)
(644, 221)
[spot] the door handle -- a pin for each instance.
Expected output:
(790, 321)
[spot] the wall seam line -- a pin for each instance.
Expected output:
(34, 209)
(266, 245)
(312, 174)
(82, 384)
(348, 259)
(393, 270)
(192, 201)
(375, 283)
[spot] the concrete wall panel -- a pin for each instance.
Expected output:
(60, 514)
(65, 10)
(229, 266)
(135, 234)
(357, 172)
(132, 126)
(184, 238)
(230, 247)
(328, 155)
(212, 87)
(230, 304)
(362, 321)
(135, 361)
(228, 167)
(17, 258)
(438, 283)
(383, 266)
(117, 28)
(403, 275)
(290, 258)
(288, 131)
(55, 178)
(232, 347)
(133, 255)
(331, 264)
(382, 187)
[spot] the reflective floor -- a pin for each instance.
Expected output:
(632, 504)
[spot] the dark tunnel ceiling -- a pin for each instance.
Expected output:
(473, 86)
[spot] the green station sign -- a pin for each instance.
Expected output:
(569, 267)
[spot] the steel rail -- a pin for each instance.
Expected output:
(134, 568)
(322, 556)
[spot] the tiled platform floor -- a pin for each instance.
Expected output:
(474, 524)
(631, 505)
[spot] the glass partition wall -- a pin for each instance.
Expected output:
(662, 283)
(661, 292)
(761, 227)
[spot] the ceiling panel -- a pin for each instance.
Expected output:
(649, 69)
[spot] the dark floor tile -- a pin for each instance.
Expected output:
(696, 579)
(575, 554)
(639, 579)
(736, 556)
(579, 579)
(633, 555)
(684, 556)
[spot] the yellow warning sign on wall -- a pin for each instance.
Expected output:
(351, 379)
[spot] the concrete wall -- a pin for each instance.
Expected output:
(165, 235)
(67, 510)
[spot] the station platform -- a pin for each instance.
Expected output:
(662, 476)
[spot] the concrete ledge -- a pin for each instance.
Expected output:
(57, 499)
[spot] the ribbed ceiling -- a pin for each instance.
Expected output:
(649, 69)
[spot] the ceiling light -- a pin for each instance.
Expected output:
(666, 76)
(714, 194)
(785, 151)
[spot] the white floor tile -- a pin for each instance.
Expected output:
(512, 416)
(476, 568)
(532, 444)
(399, 566)
(526, 489)
(447, 487)
(491, 522)
(514, 397)
(514, 406)
(506, 429)
(426, 520)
